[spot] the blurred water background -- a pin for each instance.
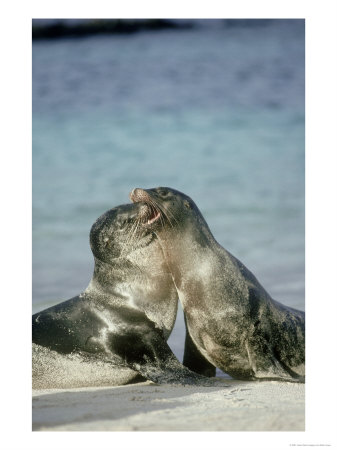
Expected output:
(214, 111)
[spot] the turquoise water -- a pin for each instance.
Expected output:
(214, 112)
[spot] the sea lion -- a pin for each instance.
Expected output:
(117, 328)
(230, 317)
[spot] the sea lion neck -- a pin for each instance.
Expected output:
(109, 279)
(189, 237)
(184, 251)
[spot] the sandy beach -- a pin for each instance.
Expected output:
(237, 406)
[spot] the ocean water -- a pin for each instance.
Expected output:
(215, 112)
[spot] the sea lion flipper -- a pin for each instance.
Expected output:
(193, 359)
(148, 353)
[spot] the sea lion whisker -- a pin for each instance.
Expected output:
(162, 210)
(125, 244)
(129, 237)
(165, 215)
(157, 209)
(161, 218)
(133, 233)
(166, 212)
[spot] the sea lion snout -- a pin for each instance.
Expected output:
(139, 195)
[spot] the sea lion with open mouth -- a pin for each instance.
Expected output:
(232, 321)
(117, 328)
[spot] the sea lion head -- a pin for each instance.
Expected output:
(118, 232)
(168, 208)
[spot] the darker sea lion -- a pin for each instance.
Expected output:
(117, 328)
(231, 319)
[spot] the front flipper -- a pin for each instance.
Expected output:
(149, 354)
(193, 359)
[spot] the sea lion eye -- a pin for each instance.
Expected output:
(163, 192)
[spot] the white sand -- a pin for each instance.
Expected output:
(238, 406)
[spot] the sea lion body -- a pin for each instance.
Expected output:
(117, 328)
(231, 319)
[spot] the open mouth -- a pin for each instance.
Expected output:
(154, 215)
(149, 214)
